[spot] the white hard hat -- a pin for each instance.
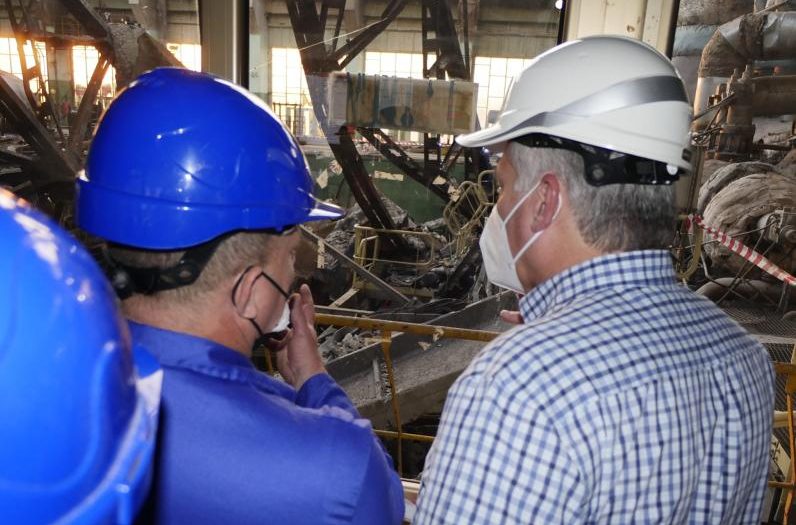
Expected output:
(611, 92)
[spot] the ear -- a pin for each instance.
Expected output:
(547, 206)
(243, 294)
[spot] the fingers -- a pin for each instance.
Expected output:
(302, 311)
(283, 365)
(307, 304)
(511, 316)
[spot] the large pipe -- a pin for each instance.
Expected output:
(751, 290)
(774, 96)
(756, 36)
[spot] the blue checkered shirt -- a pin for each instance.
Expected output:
(623, 398)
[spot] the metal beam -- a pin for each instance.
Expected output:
(423, 372)
(358, 269)
(436, 331)
(444, 44)
(345, 54)
(22, 27)
(92, 23)
(317, 63)
(52, 164)
(440, 39)
(224, 34)
(358, 179)
(392, 152)
(86, 107)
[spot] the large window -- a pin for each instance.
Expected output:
(9, 58)
(404, 65)
(189, 54)
(84, 61)
(494, 77)
(502, 37)
(290, 96)
(288, 84)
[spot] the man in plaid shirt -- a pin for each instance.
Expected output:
(622, 397)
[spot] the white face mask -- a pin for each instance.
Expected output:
(283, 322)
(501, 267)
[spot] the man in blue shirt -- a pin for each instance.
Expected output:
(198, 188)
(623, 397)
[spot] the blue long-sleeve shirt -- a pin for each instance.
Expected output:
(237, 446)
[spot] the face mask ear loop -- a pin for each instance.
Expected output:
(237, 283)
(519, 203)
(276, 285)
(536, 235)
(257, 327)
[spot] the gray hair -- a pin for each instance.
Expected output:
(611, 218)
(232, 256)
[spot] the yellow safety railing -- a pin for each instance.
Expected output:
(786, 419)
(682, 247)
(463, 215)
(781, 419)
(387, 328)
(367, 253)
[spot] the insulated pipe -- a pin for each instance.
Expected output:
(774, 96)
(756, 36)
(749, 289)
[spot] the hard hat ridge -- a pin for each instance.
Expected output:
(180, 158)
(610, 92)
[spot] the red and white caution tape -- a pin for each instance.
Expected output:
(744, 251)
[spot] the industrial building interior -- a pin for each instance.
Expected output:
(403, 302)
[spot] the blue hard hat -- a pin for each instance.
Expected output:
(78, 406)
(181, 157)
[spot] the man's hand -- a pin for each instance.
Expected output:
(511, 316)
(298, 359)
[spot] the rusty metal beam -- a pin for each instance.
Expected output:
(358, 269)
(437, 331)
(50, 162)
(393, 152)
(89, 19)
(83, 118)
(317, 62)
(345, 54)
(450, 158)
(444, 44)
(440, 39)
(358, 179)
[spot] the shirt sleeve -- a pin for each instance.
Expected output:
(322, 391)
(497, 459)
(381, 500)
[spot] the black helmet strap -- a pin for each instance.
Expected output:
(128, 280)
(603, 166)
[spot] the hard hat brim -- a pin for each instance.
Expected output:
(325, 211)
(484, 137)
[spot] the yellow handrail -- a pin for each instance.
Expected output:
(400, 326)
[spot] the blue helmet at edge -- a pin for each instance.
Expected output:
(79, 406)
(181, 157)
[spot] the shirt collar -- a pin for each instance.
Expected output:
(183, 350)
(616, 271)
(188, 352)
